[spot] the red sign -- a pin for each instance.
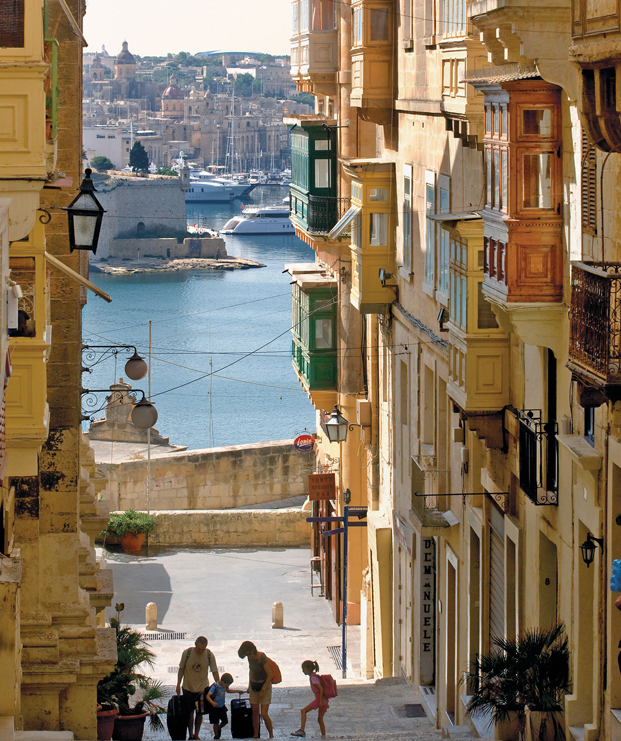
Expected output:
(304, 442)
(321, 487)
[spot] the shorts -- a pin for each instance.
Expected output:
(191, 697)
(315, 705)
(218, 715)
(266, 699)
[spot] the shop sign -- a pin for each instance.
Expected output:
(403, 532)
(321, 487)
(427, 611)
(304, 442)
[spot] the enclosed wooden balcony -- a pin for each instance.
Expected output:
(314, 45)
(595, 327)
(317, 214)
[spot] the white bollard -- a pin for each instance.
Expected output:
(278, 613)
(151, 616)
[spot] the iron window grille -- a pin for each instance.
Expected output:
(538, 457)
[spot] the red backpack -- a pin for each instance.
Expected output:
(329, 685)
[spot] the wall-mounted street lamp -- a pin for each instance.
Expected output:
(135, 368)
(588, 548)
(85, 215)
(336, 426)
(143, 415)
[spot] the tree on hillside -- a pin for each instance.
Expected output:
(102, 164)
(138, 158)
(243, 85)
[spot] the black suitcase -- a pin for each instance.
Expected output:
(177, 717)
(241, 719)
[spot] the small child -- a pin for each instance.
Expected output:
(217, 708)
(320, 703)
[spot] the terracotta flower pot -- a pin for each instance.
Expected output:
(509, 729)
(105, 723)
(129, 727)
(132, 541)
(534, 722)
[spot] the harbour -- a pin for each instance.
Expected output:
(239, 318)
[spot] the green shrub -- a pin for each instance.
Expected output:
(130, 521)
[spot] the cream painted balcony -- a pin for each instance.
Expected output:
(373, 209)
(478, 347)
(27, 413)
(314, 45)
(372, 79)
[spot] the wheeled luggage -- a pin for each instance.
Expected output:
(177, 717)
(241, 719)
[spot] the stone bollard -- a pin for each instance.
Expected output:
(151, 616)
(278, 615)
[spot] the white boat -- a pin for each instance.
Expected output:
(261, 220)
(207, 192)
(240, 189)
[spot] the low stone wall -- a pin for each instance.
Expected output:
(168, 247)
(239, 528)
(214, 478)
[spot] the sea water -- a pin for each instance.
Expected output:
(240, 319)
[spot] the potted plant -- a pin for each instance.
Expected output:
(127, 681)
(521, 684)
(131, 527)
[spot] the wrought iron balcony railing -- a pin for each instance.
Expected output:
(595, 327)
(538, 457)
(324, 212)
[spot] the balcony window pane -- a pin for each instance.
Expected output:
(407, 222)
(295, 19)
(537, 180)
(378, 194)
(497, 178)
(378, 24)
(323, 334)
(488, 169)
(378, 232)
(488, 119)
(303, 16)
(504, 180)
(496, 121)
(444, 260)
(357, 230)
(322, 173)
(12, 24)
(537, 122)
(323, 15)
(357, 27)
(430, 233)
(503, 109)
(486, 318)
(323, 145)
(464, 301)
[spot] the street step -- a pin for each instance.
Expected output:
(457, 732)
(43, 736)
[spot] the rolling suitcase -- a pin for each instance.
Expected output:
(177, 717)
(241, 719)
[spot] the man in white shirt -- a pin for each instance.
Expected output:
(193, 673)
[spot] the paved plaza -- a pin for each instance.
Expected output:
(227, 595)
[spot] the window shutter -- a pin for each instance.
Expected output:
(589, 186)
(12, 24)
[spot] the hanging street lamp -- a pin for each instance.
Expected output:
(144, 414)
(588, 548)
(336, 426)
(85, 215)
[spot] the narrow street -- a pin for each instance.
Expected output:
(227, 595)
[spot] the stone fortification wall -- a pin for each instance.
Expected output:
(205, 247)
(134, 204)
(239, 528)
(215, 478)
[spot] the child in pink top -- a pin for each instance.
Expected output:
(320, 703)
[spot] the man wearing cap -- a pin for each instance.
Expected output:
(193, 674)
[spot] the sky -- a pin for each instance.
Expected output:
(156, 27)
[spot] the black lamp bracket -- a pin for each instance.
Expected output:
(92, 355)
(91, 400)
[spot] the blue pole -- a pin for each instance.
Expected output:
(344, 597)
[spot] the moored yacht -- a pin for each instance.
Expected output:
(261, 220)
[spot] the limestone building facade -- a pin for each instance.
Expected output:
(457, 183)
(53, 646)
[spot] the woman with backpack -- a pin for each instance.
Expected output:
(260, 679)
(323, 688)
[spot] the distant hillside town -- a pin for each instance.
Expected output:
(216, 109)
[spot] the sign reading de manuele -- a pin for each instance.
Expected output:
(321, 487)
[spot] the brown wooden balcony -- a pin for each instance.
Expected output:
(595, 323)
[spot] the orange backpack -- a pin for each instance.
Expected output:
(276, 673)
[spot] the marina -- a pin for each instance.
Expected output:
(223, 315)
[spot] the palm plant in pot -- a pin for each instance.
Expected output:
(521, 684)
(131, 527)
(127, 681)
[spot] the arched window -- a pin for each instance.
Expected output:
(140, 227)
